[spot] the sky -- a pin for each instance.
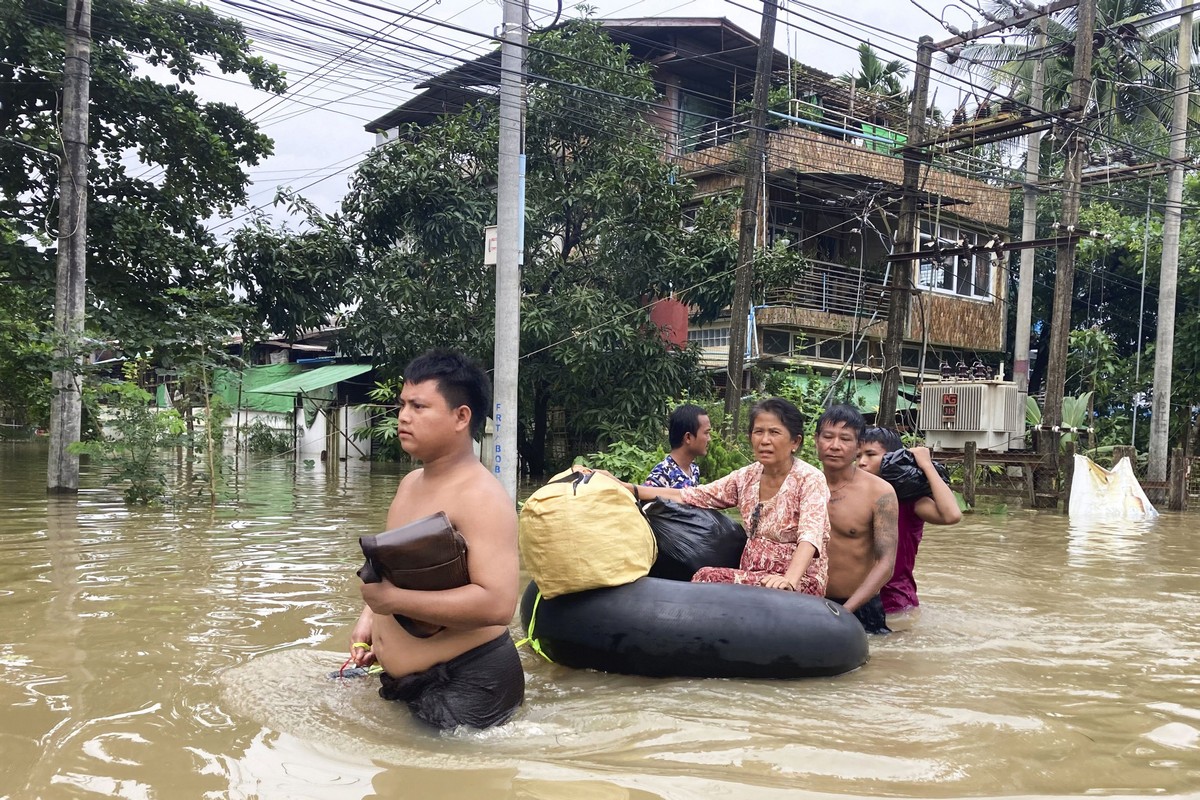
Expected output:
(351, 61)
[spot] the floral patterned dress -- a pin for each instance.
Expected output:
(797, 513)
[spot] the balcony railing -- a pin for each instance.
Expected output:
(823, 121)
(833, 289)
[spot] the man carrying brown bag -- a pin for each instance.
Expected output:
(452, 661)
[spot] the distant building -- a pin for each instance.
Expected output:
(833, 191)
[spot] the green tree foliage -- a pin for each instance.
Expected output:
(137, 433)
(24, 353)
(602, 239)
(382, 422)
(163, 160)
(1133, 68)
(876, 76)
(292, 281)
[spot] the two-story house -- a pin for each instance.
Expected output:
(833, 187)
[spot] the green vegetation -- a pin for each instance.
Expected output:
(630, 460)
(261, 438)
(139, 433)
(382, 421)
(145, 226)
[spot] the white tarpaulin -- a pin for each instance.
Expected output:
(1098, 493)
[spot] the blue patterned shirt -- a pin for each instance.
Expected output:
(669, 475)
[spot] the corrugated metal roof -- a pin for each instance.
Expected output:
(313, 379)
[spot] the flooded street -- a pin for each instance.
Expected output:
(184, 653)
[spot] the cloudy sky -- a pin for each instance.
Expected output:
(351, 61)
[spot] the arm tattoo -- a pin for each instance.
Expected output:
(886, 522)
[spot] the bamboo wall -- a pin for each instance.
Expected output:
(794, 149)
(809, 319)
(958, 323)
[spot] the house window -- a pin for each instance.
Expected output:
(688, 217)
(710, 337)
(788, 235)
(777, 343)
(830, 350)
(966, 275)
(702, 122)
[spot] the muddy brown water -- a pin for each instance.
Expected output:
(183, 653)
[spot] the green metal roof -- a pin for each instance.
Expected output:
(237, 387)
(313, 379)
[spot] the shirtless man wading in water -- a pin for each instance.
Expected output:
(862, 519)
(469, 673)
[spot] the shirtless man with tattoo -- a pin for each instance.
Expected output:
(862, 518)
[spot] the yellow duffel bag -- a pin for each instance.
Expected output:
(583, 531)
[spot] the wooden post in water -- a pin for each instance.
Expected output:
(969, 473)
(1177, 481)
(1027, 470)
(1068, 475)
(1125, 451)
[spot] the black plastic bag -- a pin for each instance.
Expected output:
(899, 468)
(690, 538)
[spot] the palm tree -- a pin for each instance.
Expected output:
(1133, 70)
(874, 75)
(879, 80)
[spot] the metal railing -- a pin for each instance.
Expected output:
(833, 289)
(833, 124)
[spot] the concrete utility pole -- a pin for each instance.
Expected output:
(1029, 225)
(1064, 278)
(1160, 420)
(70, 293)
(509, 219)
(747, 232)
(907, 239)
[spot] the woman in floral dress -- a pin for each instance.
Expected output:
(783, 502)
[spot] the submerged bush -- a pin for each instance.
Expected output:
(262, 438)
(130, 442)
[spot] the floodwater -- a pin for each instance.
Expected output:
(183, 653)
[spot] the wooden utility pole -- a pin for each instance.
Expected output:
(747, 232)
(1029, 225)
(1160, 419)
(907, 239)
(1064, 278)
(510, 217)
(70, 294)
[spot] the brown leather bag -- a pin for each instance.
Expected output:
(426, 555)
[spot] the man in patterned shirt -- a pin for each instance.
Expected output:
(689, 431)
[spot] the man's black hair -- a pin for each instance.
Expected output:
(843, 414)
(461, 382)
(884, 436)
(684, 420)
(787, 413)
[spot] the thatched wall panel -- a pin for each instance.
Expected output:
(794, 149)
(958, 323)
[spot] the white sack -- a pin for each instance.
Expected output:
(1098, 493)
